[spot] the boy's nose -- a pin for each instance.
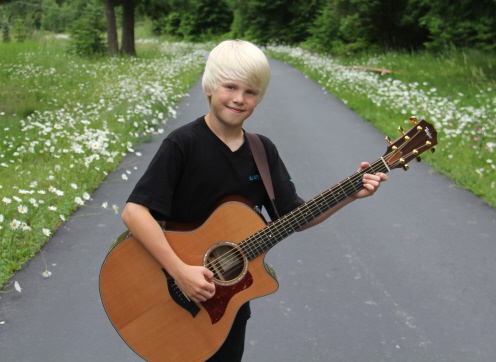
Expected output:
(238, 97)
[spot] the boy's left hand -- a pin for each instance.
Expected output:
(370, 182)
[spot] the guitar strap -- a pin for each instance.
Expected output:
(260, 156)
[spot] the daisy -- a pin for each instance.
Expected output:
(14, 224)
(22, 209)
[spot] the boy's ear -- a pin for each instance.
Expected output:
(208, 94)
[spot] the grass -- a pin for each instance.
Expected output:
(67, 122)
(455, 90)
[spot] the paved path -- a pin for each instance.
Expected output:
(408, 275)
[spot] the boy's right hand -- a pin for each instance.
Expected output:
(196, 282)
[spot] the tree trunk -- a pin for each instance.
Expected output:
(112, 41)
(128, 27)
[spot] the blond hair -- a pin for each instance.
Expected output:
(237, 60)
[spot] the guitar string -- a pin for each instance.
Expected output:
(311, 207)
(352, 179)
(288, 218)
(292, 217)
(248, 246)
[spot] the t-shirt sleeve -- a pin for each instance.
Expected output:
(284, 189)
(155, 189)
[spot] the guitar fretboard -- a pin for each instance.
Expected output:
(275, 232)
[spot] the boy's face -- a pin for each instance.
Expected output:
(232, 102)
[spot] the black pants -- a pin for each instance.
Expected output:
(234, 345)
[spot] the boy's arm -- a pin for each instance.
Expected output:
(370, 185)
(194, 281)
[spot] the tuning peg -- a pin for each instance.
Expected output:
(418, 159)
(405, 167)
(403, 133)
(433, 150)
(413, 120)
(388, 140)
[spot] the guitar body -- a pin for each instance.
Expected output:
(152, 315)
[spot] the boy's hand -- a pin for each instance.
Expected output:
(196, 282)
(370, 182)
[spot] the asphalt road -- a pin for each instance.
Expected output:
(406, 275)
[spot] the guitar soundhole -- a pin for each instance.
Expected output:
(227, 262)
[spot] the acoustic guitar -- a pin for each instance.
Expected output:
(153, 316)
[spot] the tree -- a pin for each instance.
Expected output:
(112, 41)
(128, 7)
(86, 32)
(278, 20)
(205, 18)
(461, 23)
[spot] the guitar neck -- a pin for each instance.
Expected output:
(277, 231)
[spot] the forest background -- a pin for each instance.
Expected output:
(83, 81)
(336, 26)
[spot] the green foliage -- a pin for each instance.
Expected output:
(462, 23)
(4, 27)
(194, 19)
(86, 32)
(5, 32)
(56, 18)
(345, 26)
(278, 20)
(20, 29)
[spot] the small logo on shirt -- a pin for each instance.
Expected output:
(254, 177)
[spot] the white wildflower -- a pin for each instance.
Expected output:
(14, 224)
(46, 232)
(25, 227)
(22, 209)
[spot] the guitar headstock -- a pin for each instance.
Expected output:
(419, 138)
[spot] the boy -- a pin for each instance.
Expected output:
(202, 162)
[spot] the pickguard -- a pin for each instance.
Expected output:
(216, 306)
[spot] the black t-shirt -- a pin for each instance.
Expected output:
(194, 170)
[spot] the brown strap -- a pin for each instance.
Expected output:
(260, 156)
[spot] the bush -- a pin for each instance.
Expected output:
(86, 33)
